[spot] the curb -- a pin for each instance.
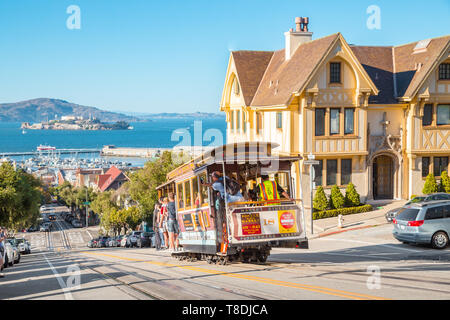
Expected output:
(342, 231)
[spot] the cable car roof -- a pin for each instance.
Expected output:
(232, 153)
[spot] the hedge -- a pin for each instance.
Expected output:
(344, 211)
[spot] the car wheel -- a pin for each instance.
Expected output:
(439, 240)
(11, 264)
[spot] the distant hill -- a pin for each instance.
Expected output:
(43, 109)
(167, 115)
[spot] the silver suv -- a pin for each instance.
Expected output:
(425, 222)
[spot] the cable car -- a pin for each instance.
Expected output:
(218, 231)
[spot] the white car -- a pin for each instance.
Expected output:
(123, 242)
(9, 254)
(23, 245)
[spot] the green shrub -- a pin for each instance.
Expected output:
(430, 185)
(413, 196)
(352, 198)
(344, 211)
(337, 200)
(320, 201)
(445, 182)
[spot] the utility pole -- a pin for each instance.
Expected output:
(87, 222)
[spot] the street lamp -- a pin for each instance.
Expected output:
(311, 162)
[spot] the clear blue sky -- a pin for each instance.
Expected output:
(171, 56)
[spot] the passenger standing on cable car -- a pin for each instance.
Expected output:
(156, 217)
(270, 190)
(172, 223)
(163, 222)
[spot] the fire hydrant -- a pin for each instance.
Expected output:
(340, 221)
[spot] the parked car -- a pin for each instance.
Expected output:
(124, 241)
(45, 227)
(424, 222)
(392, 213)
(16, 252)
(119, 241)
(431, 197)
(33, 229)
(101, 242)
(144, 239)
(132, 239)
(9, 255)
(23, 245)
(76, 223)
(113, 242)
(437, 196)
(90, 243)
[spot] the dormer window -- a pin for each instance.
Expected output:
(444, 71)
(236, 88)
(335, 72)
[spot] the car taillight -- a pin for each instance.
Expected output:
(394, 221)
(415, 223)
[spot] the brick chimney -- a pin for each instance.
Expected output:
(296, 38)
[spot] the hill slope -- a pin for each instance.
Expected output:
(43, 109)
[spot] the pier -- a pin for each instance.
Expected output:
(49, 152)
(114, 151)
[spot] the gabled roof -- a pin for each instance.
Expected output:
(392, 69)
(409, 80)
(105, 180)
(250, 67)
(377, 61)
(283, 77)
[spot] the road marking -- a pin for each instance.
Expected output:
(90, 235)
(371, 243)
(67, 293)
(324, 290)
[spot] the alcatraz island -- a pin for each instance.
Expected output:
(76, 123)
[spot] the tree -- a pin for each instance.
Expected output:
(20, 198)
(66, 194)
(133, 217)
(352, 198)
(105, 208)
(143, 183)
(445, 182)
(337, 200)
(430, 184)
(320, 202)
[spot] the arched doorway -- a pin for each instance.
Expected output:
(383, 177)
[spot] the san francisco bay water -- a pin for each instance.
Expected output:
(159, 133)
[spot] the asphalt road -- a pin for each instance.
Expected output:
(356, 265)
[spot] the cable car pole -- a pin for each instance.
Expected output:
(311, 162)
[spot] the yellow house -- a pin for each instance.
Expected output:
(378, 117)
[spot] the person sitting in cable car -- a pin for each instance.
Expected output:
(217, 185)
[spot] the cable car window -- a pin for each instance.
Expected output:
(180, 196)
(195, 193)
(282, 178)
(187, 193)
(203, 189)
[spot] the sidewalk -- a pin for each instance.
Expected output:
(329, 226)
